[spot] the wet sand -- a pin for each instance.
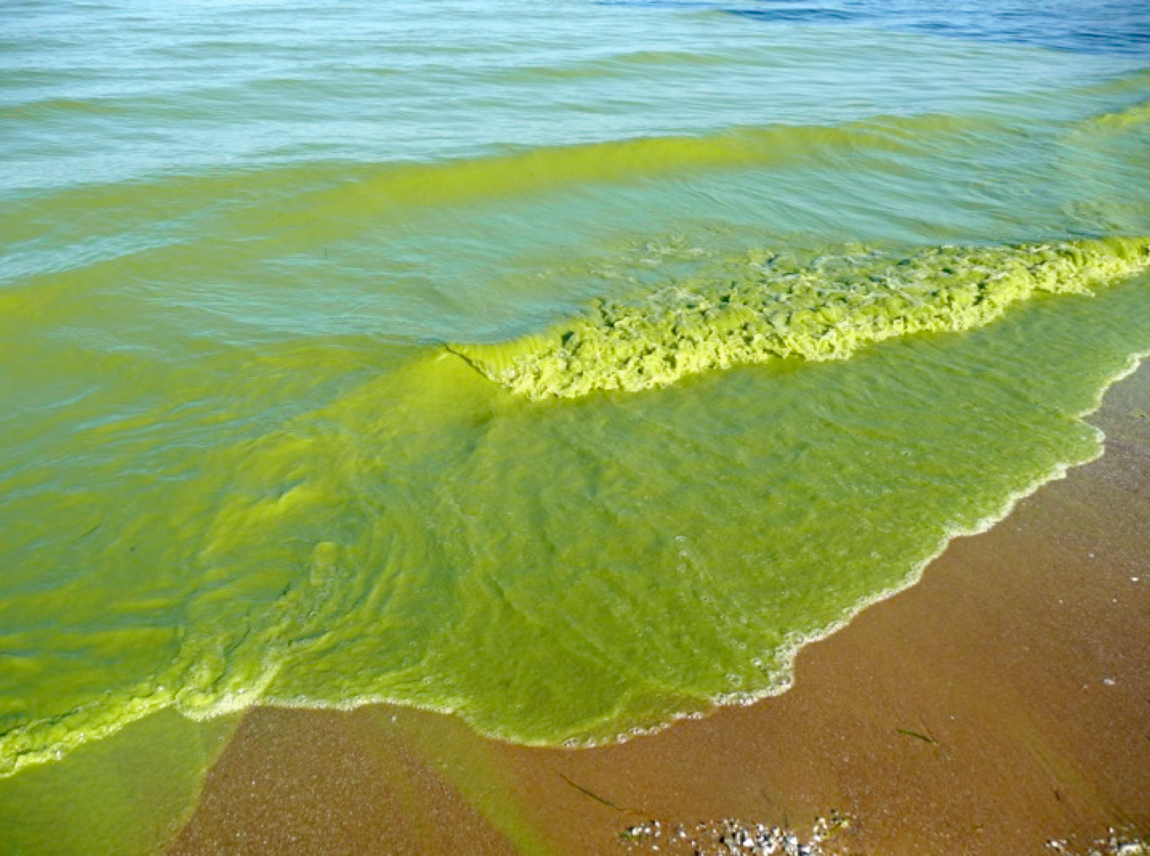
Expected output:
(1001, 703)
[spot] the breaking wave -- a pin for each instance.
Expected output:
(822, 310)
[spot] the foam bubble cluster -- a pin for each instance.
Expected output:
(824, 309)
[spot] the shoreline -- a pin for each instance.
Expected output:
(999, 703)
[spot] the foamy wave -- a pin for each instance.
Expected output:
(825, 310)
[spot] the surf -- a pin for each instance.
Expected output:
(773, 308)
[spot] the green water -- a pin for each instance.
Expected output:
(825, 310)
(449, 356)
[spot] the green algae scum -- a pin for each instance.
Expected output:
(567, 369)
(826, 312)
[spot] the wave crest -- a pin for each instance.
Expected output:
(827, 309)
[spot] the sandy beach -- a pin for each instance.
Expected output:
(1000, 705)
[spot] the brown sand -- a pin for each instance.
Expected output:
(1002, 702)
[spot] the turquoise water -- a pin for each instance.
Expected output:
(566, 366)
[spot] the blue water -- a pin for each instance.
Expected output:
(1112, 26)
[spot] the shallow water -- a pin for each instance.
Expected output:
(562, 365)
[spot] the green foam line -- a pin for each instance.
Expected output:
(824, 310)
